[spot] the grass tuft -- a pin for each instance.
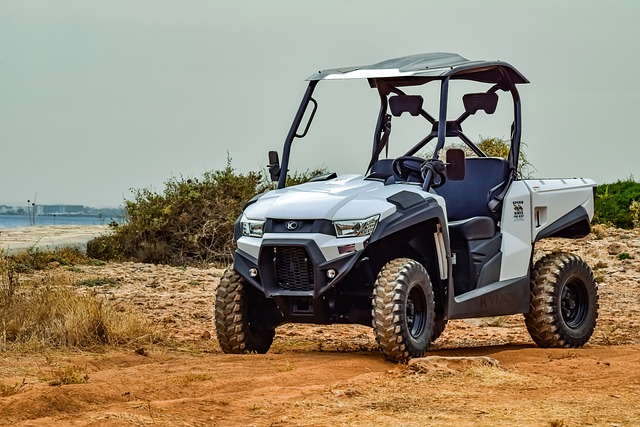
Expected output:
(193, 377)
(10, 390)
(47, 311)
(98, 281)
(71, 374)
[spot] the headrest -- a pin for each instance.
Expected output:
(486, 102)
(411, 104)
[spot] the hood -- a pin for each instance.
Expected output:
(345, 197)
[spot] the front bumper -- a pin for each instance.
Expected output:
(293, 267)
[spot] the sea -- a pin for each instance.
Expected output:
(14, 221)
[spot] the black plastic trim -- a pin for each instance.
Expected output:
(265, 281)
(405, 200)
(237, 229)
(417, 214)
(322, 226)
(242, 263)
(575, 224)
(497, 299)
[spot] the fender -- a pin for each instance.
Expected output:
(575, 224)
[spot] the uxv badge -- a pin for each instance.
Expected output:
(291, 225)
(518, 210)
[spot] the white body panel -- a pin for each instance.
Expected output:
(529, 207)
(516, 231)
(347, 197)
(553, 198)
(343, 198)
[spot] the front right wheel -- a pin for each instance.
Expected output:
(403, 310)
(564, 301)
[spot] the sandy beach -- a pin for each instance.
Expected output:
(49, 237)
(318, 375)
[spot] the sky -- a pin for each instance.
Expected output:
(101, 97)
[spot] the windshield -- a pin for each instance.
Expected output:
(348, 126)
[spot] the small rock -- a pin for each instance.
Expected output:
(142, 352)
(616, 248)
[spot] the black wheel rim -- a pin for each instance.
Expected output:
(574, 303)
(416, 313)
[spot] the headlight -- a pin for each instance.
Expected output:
(252, 228)
(357, 227)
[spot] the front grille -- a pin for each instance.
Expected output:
(294, 269)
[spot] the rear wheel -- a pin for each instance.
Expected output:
(403, 310)
(564, 301)
(238, 325)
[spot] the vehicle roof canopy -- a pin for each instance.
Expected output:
(429, 66)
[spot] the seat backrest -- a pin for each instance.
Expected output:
(382, 168)
(484, 178)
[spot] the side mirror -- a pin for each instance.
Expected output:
(274, 165)
(455, 164)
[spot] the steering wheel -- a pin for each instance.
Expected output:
(408, 168)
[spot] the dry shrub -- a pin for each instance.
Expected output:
(34, 259)
(600, 231)
(71, 374)
(48, 312)
(191, 222)
(498, 147)
(634, 210)
(7, 390)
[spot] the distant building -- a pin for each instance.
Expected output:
(60, 209)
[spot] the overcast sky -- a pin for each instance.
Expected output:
(98, 97)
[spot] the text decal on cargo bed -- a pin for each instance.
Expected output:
(518, 210)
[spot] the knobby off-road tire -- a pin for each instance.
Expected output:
(403, 310)
(564, 301)
(237, 325)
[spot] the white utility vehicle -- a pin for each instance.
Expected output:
(418, 239)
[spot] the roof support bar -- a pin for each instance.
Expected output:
(442, 119)
(286, 152)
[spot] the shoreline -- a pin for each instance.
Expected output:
(49, 237)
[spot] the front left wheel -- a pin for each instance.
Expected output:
(238, 324)
(403, 310)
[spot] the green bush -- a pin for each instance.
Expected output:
(617, 204)
(191, 221)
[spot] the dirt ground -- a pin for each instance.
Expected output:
(333, 375)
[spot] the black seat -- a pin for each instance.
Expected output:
(472, 221)
(485, 177)
(474, 228)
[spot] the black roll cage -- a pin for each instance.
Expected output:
(500, 74)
